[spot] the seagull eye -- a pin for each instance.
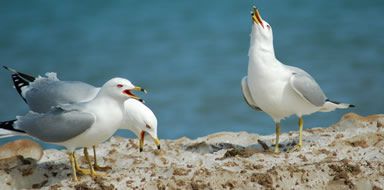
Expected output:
(149, 127)
(119, 85)
(269, 27)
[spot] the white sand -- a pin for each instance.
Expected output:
(347, 155)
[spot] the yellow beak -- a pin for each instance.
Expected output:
(256, 16)
(157, 142)
(138, 88)
(131, 95)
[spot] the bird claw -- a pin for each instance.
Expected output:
(295, 148)
(89, 172)
(101, 168)
(95, 174)
(83, 171)
(277, 149)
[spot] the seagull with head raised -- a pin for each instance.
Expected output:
(277, 89)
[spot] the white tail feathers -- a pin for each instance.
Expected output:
(332, 105)
(7, 133)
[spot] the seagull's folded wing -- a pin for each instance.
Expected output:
(305, 86)
(247, 94)
(46, 93)
(58, 125)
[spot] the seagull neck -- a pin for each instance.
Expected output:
(103, 98)
(261, 44)
(262, 49)
(261, 57)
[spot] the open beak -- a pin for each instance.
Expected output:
(256, 16)
(131, 95)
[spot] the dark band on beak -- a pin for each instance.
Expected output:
(138, 88)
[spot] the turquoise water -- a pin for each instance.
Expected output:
(191, 55)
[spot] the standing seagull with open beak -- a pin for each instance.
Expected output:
(78, 125)
(42, 93)
(277, 89)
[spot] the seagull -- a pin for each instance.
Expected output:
(141, 120)
(81, 124)
(42, 93)
(277, 89)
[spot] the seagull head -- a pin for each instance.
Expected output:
(142, 121)
(121, 88)
(261, 30)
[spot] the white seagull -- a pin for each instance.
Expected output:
(80, 124)
(140, 120)
(42, 93)
(277, 89)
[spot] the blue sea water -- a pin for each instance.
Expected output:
(191, 55)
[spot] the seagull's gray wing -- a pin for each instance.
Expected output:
(57, 125)
(247, 94)
(45, 93)
(305, 86)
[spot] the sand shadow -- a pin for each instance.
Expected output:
(233, 150)
(28, 173)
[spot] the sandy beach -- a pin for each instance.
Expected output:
(346, 155)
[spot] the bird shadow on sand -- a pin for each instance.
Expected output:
(233, 150)
(27, 173)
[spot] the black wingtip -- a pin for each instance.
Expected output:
(336, 102)
(8, 125)
(9, 69)
(24, 76)
(19, 83)
(20, 80)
